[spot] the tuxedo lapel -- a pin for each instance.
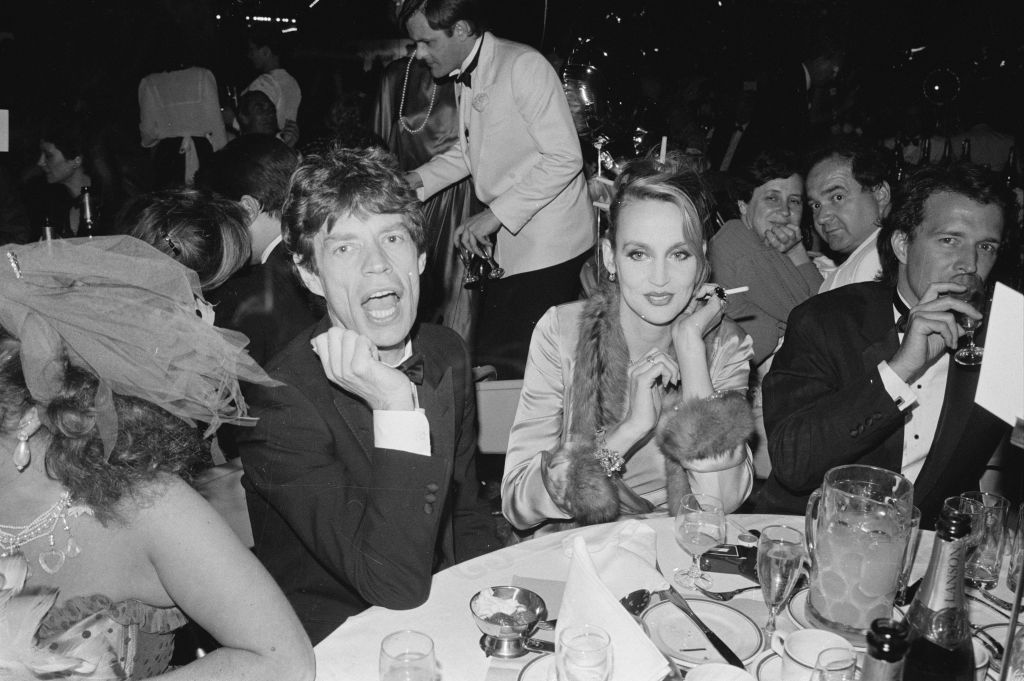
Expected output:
(957, 405)
(358, 417)
(880, 343)
(437, 398)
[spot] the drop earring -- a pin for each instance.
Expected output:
(612, 276)
(22, 453)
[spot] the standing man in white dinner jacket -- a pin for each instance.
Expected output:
(517, 140)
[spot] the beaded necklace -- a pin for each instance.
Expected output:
(13, 537)
(401, 105)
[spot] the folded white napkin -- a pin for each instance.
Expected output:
(601, 572)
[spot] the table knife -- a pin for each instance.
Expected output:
(723, 650)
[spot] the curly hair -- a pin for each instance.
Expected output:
(150, 443)
(672, 182)
(976, 183)
(340, 182)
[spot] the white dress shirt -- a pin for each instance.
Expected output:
(407, 431)
(862, 265)
(921, 404)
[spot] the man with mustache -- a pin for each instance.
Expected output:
(865, 374)
(360, 476)
(848, 196)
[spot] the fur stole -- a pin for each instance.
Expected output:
(697, 430)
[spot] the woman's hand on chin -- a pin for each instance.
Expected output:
(702, 314)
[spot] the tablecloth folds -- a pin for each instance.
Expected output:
(600, 573)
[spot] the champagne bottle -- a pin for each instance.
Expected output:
(1010, 174)
(85, 217)
(940, 634)
(48, 234)
(887, 646)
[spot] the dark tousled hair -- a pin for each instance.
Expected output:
(870, 164)
(442, 15)
(256, 165)
(151, 443)
(907, 212)
(340, 182)
(766, 166)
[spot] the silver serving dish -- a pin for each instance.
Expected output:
(506, 639)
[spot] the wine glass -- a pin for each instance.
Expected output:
(584, 654)
(974, 295)
(700, 525)
(836, 664)
(407, 656)
(780, 556)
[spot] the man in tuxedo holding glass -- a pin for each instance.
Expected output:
(518, 141)
(360, 475)
(865, 374)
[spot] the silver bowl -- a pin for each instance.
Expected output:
(506, 640)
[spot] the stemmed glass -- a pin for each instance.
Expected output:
(584, 654)
(974, 295)
(780, 557)
(836, 664)
(700, 525)
(407, 656)
(909, 555)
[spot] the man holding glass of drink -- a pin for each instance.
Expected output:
(865, 373)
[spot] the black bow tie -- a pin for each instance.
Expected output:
(901, 307)
(413, 368)
(466, 75)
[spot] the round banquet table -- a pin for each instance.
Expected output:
(351, 651)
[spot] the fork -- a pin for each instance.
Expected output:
(725, 595)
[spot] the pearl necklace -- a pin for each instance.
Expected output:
(13, 537)
(401, 105)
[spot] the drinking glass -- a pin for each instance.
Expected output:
(983, 562)
(780, 556)
(584, 654)
(1016, 555)
(909, 555)
(973, 295)
(976, 511)
(836, 664)
(700, 525)
(407, 656)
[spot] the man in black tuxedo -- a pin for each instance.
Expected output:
(265, 300)
(865, 374)
(360, 475)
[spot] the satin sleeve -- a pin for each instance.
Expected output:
(537, 427)
(729, 366)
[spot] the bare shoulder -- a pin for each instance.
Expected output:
(168, 504)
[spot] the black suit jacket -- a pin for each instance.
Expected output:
(341, 524)
(267, 303)
(825, 406)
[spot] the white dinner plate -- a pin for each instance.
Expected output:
(797, 609)
(768, 667)
(539, 669)
(677, 636)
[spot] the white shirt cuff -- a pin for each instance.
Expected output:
(900, 392)
(406, 431)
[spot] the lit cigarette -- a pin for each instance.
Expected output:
(738, 289)
(664, 148)
(605, 180)
(602, 205)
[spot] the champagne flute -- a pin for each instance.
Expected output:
(407, 656)
(780, 556)
(974, 295)
(584, 654)
(700, 525)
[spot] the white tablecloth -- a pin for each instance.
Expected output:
(351, 652)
